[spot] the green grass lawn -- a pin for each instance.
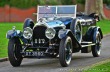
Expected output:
(105, 67)
(4, 27)
(105, 26)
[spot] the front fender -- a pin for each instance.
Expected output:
(63, 33)
(13, 33)
(66, 32)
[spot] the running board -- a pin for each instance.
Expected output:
(86, 47)
(86, 44)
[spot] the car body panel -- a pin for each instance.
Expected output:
(13, 33)
(66, 20)
(55, 23)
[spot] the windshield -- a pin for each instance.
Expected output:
(59, 11)
(66, 10)
(47, 10)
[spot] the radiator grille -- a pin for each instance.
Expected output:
(39, 33)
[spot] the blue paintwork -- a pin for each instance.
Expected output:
(55, 23)
(28, 23)
(90, 32)
(59, 22)
(16, 33)
(66, 20)
(13, 33)
(63, 33)
(67, 32)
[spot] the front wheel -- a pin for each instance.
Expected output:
(65, 51)
(14, 48)
(96, 49)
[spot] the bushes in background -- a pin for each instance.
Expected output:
(81, 1)
(31, 3)
(49, 2)
(19, 3)
(3, 2)
(106, 2)
(23, 3)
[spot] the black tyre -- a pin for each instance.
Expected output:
(14, 48)
(65, 51)
(76, 29)
(28, 23)
(96, 49)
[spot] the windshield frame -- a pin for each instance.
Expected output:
(56, 14)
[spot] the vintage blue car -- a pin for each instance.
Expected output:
(59, 32)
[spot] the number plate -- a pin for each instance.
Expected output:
(38, 53)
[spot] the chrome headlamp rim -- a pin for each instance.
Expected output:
(27, 33)
(50, 33)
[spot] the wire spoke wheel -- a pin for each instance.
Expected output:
(98, 44)
(78, 32)
(68, 51)
(96, 49)
(65, 51)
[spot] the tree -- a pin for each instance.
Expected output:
(95, 6)
(65, 2)
(99, 8)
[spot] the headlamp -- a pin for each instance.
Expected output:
(50, 33)
(27, 33)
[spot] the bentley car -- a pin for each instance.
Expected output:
(59, 32)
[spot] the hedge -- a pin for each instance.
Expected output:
(19, 3)
(106, 2)
(31, 3)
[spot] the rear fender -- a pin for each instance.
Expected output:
(100, 31)
(89, 33)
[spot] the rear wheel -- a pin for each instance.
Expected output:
(14, 48)
(96, 49)
(65, 51)
(76, 30)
